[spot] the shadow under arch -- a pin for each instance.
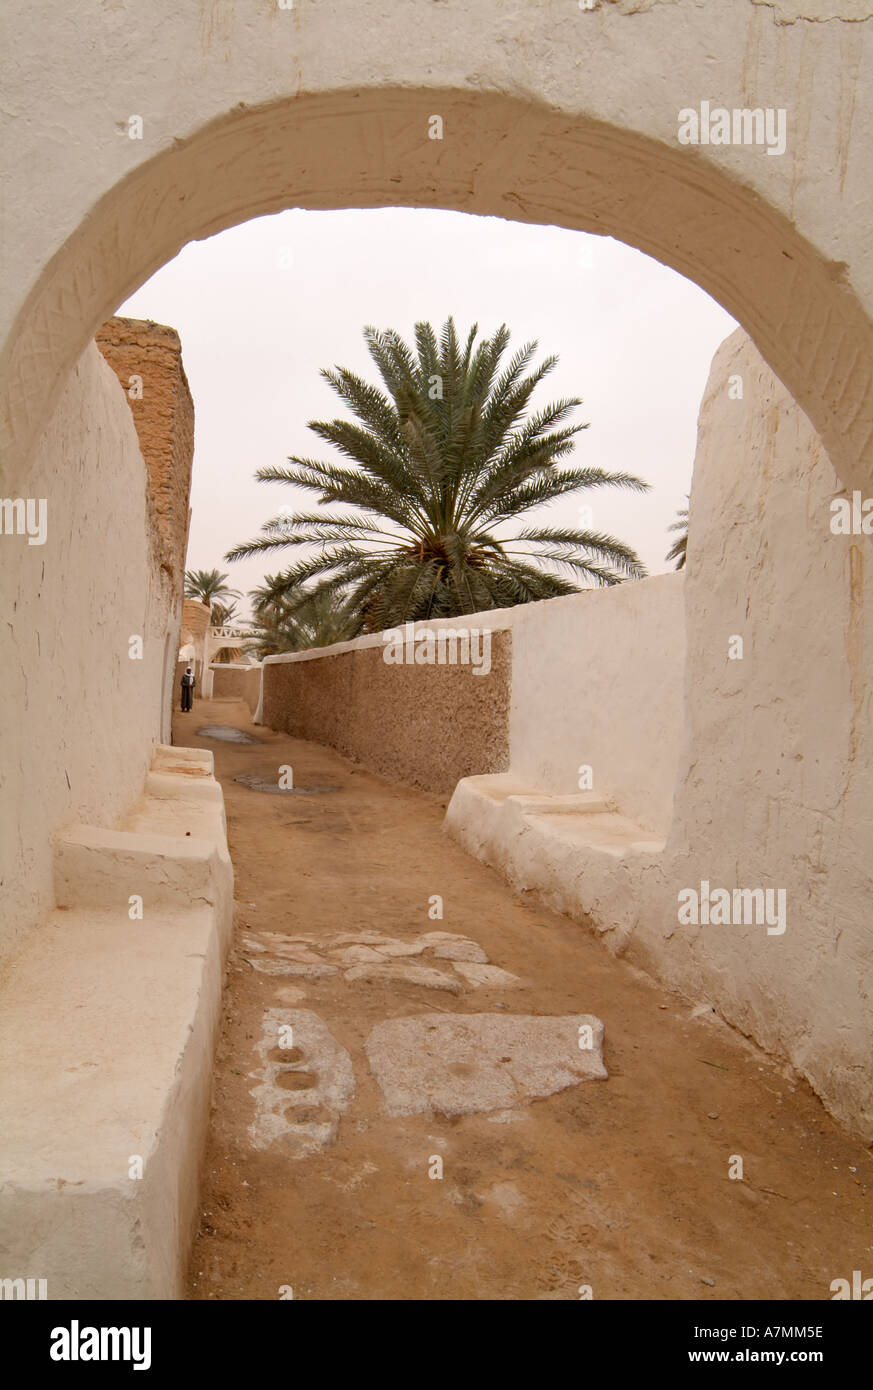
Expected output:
(369, 148)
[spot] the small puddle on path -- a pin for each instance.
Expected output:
(225, 733)
(258, 783)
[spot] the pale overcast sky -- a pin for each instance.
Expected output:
(263, 307)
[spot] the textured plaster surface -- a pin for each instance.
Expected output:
(231, 682)
(252, 687)
(195, 621)
(597, 683)
(147, 359)
(774, 772)
(555, 114)
(818, 11)
(424, 725)
(80, 717)
(431, 725)
(135, 1002)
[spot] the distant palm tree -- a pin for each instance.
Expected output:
(223, 614)
(208, 586)
(679, 548)
(439, 464)
(313, 619)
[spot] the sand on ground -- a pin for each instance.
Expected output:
(619, 1186)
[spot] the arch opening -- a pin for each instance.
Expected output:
(363, 148)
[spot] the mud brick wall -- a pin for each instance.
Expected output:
(236, 682)
(164, 418)
(427, 726)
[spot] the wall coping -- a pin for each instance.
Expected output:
(494, 619)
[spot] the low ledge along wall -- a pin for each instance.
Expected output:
(137, 1007)
(425, 725)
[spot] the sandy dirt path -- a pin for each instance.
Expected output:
(621, 1185)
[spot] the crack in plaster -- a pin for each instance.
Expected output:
(818, 11)
(633, 6)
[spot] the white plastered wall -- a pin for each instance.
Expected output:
(777, 775)
(80, 717)
(597, 683)
(774, 776)
(550, 113)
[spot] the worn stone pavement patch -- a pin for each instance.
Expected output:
(467, 1063)
(410, 974)
(489, 976)
(304, 1087)
(369, 957)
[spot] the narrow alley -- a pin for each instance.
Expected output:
(321, 1177)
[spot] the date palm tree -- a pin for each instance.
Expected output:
(313, 619)
(224, 614)
(209, 586)
(439, 464)
(679, 549)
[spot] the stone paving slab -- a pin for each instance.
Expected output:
(467, 1063)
